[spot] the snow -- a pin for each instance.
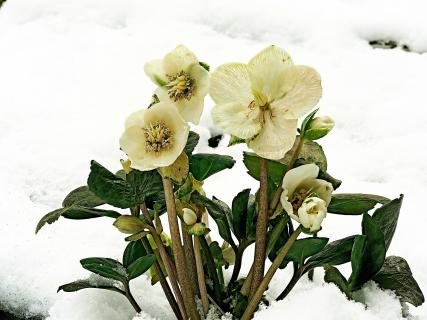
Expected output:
(71, 71)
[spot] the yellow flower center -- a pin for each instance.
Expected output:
(158, 137)
(298, 197)
(181, 86)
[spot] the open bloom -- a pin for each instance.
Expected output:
(154, 137)
(306, 198)
(262, 100)
(181, 80)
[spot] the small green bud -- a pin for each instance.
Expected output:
(129, 224)
(126, 165)
(319, 127)
(189, 216)
(198, 229)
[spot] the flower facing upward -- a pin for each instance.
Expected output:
(154, 137)
(262, 100)
(181, 80)
(304, 197)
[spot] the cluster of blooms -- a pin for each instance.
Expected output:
(259, 102)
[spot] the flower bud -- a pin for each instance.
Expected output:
(189, 216)
(129, 224)
(229, 255)
(311, 214)
(319, 127)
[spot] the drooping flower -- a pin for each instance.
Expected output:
(154, 137)
(181, 80)
(306, 198)
(262, 100)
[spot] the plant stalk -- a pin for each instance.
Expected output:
(238, 262)
(253, 303)
(163, 281)
(191, 261)
(201, 276)
(169, 265)
(290, 286)
(276, 197)
(130, 297)
(178, 251)
(261, 230)
(275, 234)
(210, 263)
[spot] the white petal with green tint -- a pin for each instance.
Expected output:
(179, 59)
(237, 119)
(154, 69)
(276, 137)
(231, 83)
(302, 91)
(294, 177)
(266, 71)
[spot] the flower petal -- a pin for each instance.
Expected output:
(287, 206)
(302, 88)
(230, 83)
(294, 177)
(276, 137)
(321, 187)
(201, 78)
(154, 69)
(179, 59)
(132, 142)
(190, 110)
(136, 119)
(266, 71)
(237, 119)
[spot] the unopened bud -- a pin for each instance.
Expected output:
(189, 216)
(319, 127)
(129, 224)
(198, 229)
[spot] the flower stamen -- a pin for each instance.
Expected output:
(181, 86)
(158, 137)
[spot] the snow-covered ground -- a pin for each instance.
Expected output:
(71, 71)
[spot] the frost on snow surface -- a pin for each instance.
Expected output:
(71, 71)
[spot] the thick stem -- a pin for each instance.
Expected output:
(201, 276)
(163, 281)
(253, 303)
(261, 230)
(210, 263)
(191, 261)
(130, 297)
(290, 286)
(275, 234)
(276, 197)
(311, 271)
(178, 252)
(169, 265)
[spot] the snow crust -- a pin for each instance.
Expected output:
(71, 72)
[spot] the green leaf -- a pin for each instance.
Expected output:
(333, 275)
(140, 265)
(192, 141)
(334, 253)
(217, 254)
(369, 256)
(354, 203)
(105, 267)
(275, 169)
(251, 219)
(90, 284)
(235, 140)
(203, 165)
(386, 217)
(396, 275)
(133, 251)
(83, 197)
(304, 248)
(311, 152)
(120, 193)
(327, 177)
(75, 213)
(239, 210)
(219, 211)
(204, 65)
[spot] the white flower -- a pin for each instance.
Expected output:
(262, 100)
(306, 198)
(154, 137)
(181, 80)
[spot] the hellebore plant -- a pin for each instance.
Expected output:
(259, 104)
